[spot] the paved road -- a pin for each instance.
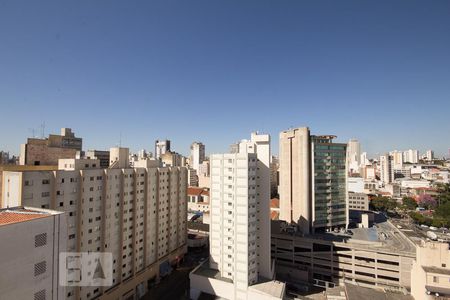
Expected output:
(176, 285)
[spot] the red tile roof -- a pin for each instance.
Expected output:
(196, 191)
(10, 217)
(274, 203)
(274, 215)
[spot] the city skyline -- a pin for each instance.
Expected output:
(224, 148)
(130, 74)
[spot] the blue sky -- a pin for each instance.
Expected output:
(216, 70)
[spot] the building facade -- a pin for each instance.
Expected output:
(386, 169)
(138, 214)
(358, 201)
(197, 155)
(313, 181)
(431, 272)
(101, 155)
(47, 151)
(353, 156)
(240, 264)
(161, 147)
(327, 262)
(31, 240)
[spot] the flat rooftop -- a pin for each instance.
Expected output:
(269, 287)
(206, 271)
(355, 292)
(21, 214)
(264, 286)
(383, 236)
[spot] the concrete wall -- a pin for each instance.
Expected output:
(19, 255)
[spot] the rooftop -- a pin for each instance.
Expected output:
(274, 203)
(436, 270)
(383, 237)
(273, 288)
(196, 191)
(21, 214)
(206, 271)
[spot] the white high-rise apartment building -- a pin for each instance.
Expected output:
(430, 154)
(233, 234)
(364, 159)
(197, 155)
(411, 156)
(386, 168)
(30, 242)
(240, 224)
(138, 214)
(353, 156)
(161, 147)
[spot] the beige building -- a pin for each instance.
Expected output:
(138, 214)
(358, 201)
(430, 277)
(313, 181)
(198, 199)
(47, 151)
(30, 242)
(173, 159)
(327, 260)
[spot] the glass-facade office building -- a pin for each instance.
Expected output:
(329, 194)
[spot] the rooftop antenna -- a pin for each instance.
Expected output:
(43, 129)
(120, 140)
(33, 131)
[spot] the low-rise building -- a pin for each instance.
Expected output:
(430, 276)
(30, 242)
(358, 201)
(365, 258)
(198, 199)
(274, 209)
(355, 184)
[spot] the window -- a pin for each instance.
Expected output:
(40, 240)
(45, 194)
(45, 181)
(39, 295)
(435, 279)
(40, 268)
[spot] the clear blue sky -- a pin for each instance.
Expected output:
(216, 70)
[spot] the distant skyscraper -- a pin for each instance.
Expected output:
(354, 156)
(161, 147)
(197, 155)
(411, 156)
(386, 168)
(430, 154)
(397, 159)
(313, 180)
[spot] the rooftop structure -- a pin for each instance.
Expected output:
(47, 151)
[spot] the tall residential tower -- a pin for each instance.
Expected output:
(313, 181)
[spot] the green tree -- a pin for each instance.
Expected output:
(409, 203)
(381, 203)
